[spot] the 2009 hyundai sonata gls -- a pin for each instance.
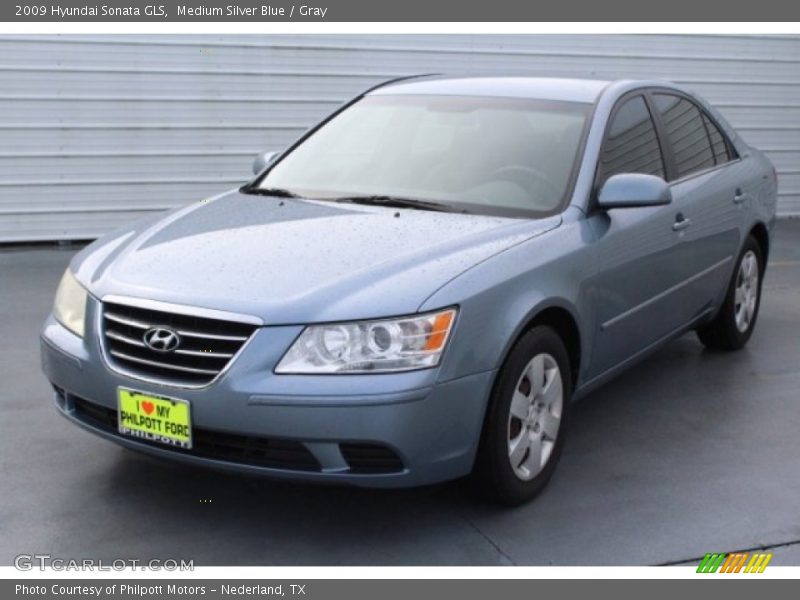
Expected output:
(418, 288)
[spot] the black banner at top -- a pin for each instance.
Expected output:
(406, 11)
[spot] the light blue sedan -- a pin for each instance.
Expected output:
(417, 289)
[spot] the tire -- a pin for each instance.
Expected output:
(519, 451)
(734, 323)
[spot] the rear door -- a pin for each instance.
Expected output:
(708, 191)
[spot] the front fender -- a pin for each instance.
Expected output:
(499, 298)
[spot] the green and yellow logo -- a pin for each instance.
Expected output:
(734, 563)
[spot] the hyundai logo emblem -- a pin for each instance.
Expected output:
(161, 339)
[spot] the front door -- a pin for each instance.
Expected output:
(636, 294)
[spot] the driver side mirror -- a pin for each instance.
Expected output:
(262, 161)
(629, 190)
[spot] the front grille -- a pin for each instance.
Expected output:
(241, 449)
(206, 345)
(370, 458)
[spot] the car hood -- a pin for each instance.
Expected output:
(296, 261)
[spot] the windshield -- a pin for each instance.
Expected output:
(479, 154)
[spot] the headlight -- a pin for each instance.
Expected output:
(70, 305)
(402, 344)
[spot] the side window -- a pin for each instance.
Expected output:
(686, 134)
(631, 144)
(718, 145)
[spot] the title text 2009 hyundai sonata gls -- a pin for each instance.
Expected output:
(418, 288)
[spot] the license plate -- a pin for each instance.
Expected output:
(154, 418)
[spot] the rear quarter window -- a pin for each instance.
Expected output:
(718, 143)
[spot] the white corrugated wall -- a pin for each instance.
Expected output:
(98, 130)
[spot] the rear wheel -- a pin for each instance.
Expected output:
(525, 425)
(734, 323)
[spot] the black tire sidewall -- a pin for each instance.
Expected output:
(740, 338)
(493, 468)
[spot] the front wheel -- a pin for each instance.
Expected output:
(525, 424)
(734, 323)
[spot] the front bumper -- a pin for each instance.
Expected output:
(431, 428)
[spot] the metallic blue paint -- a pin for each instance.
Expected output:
(626, 280)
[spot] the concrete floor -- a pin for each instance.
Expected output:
(690, 452)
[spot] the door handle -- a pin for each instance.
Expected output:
(681, 223)
(740, 196)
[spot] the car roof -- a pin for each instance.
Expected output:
(540, 88)
(543, 88)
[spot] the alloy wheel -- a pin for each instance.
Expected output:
(746, 291)
(535, 416)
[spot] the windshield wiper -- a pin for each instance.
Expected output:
(375, 200)
(397, 202)
(276, 192)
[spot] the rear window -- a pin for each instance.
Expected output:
(686, 134)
